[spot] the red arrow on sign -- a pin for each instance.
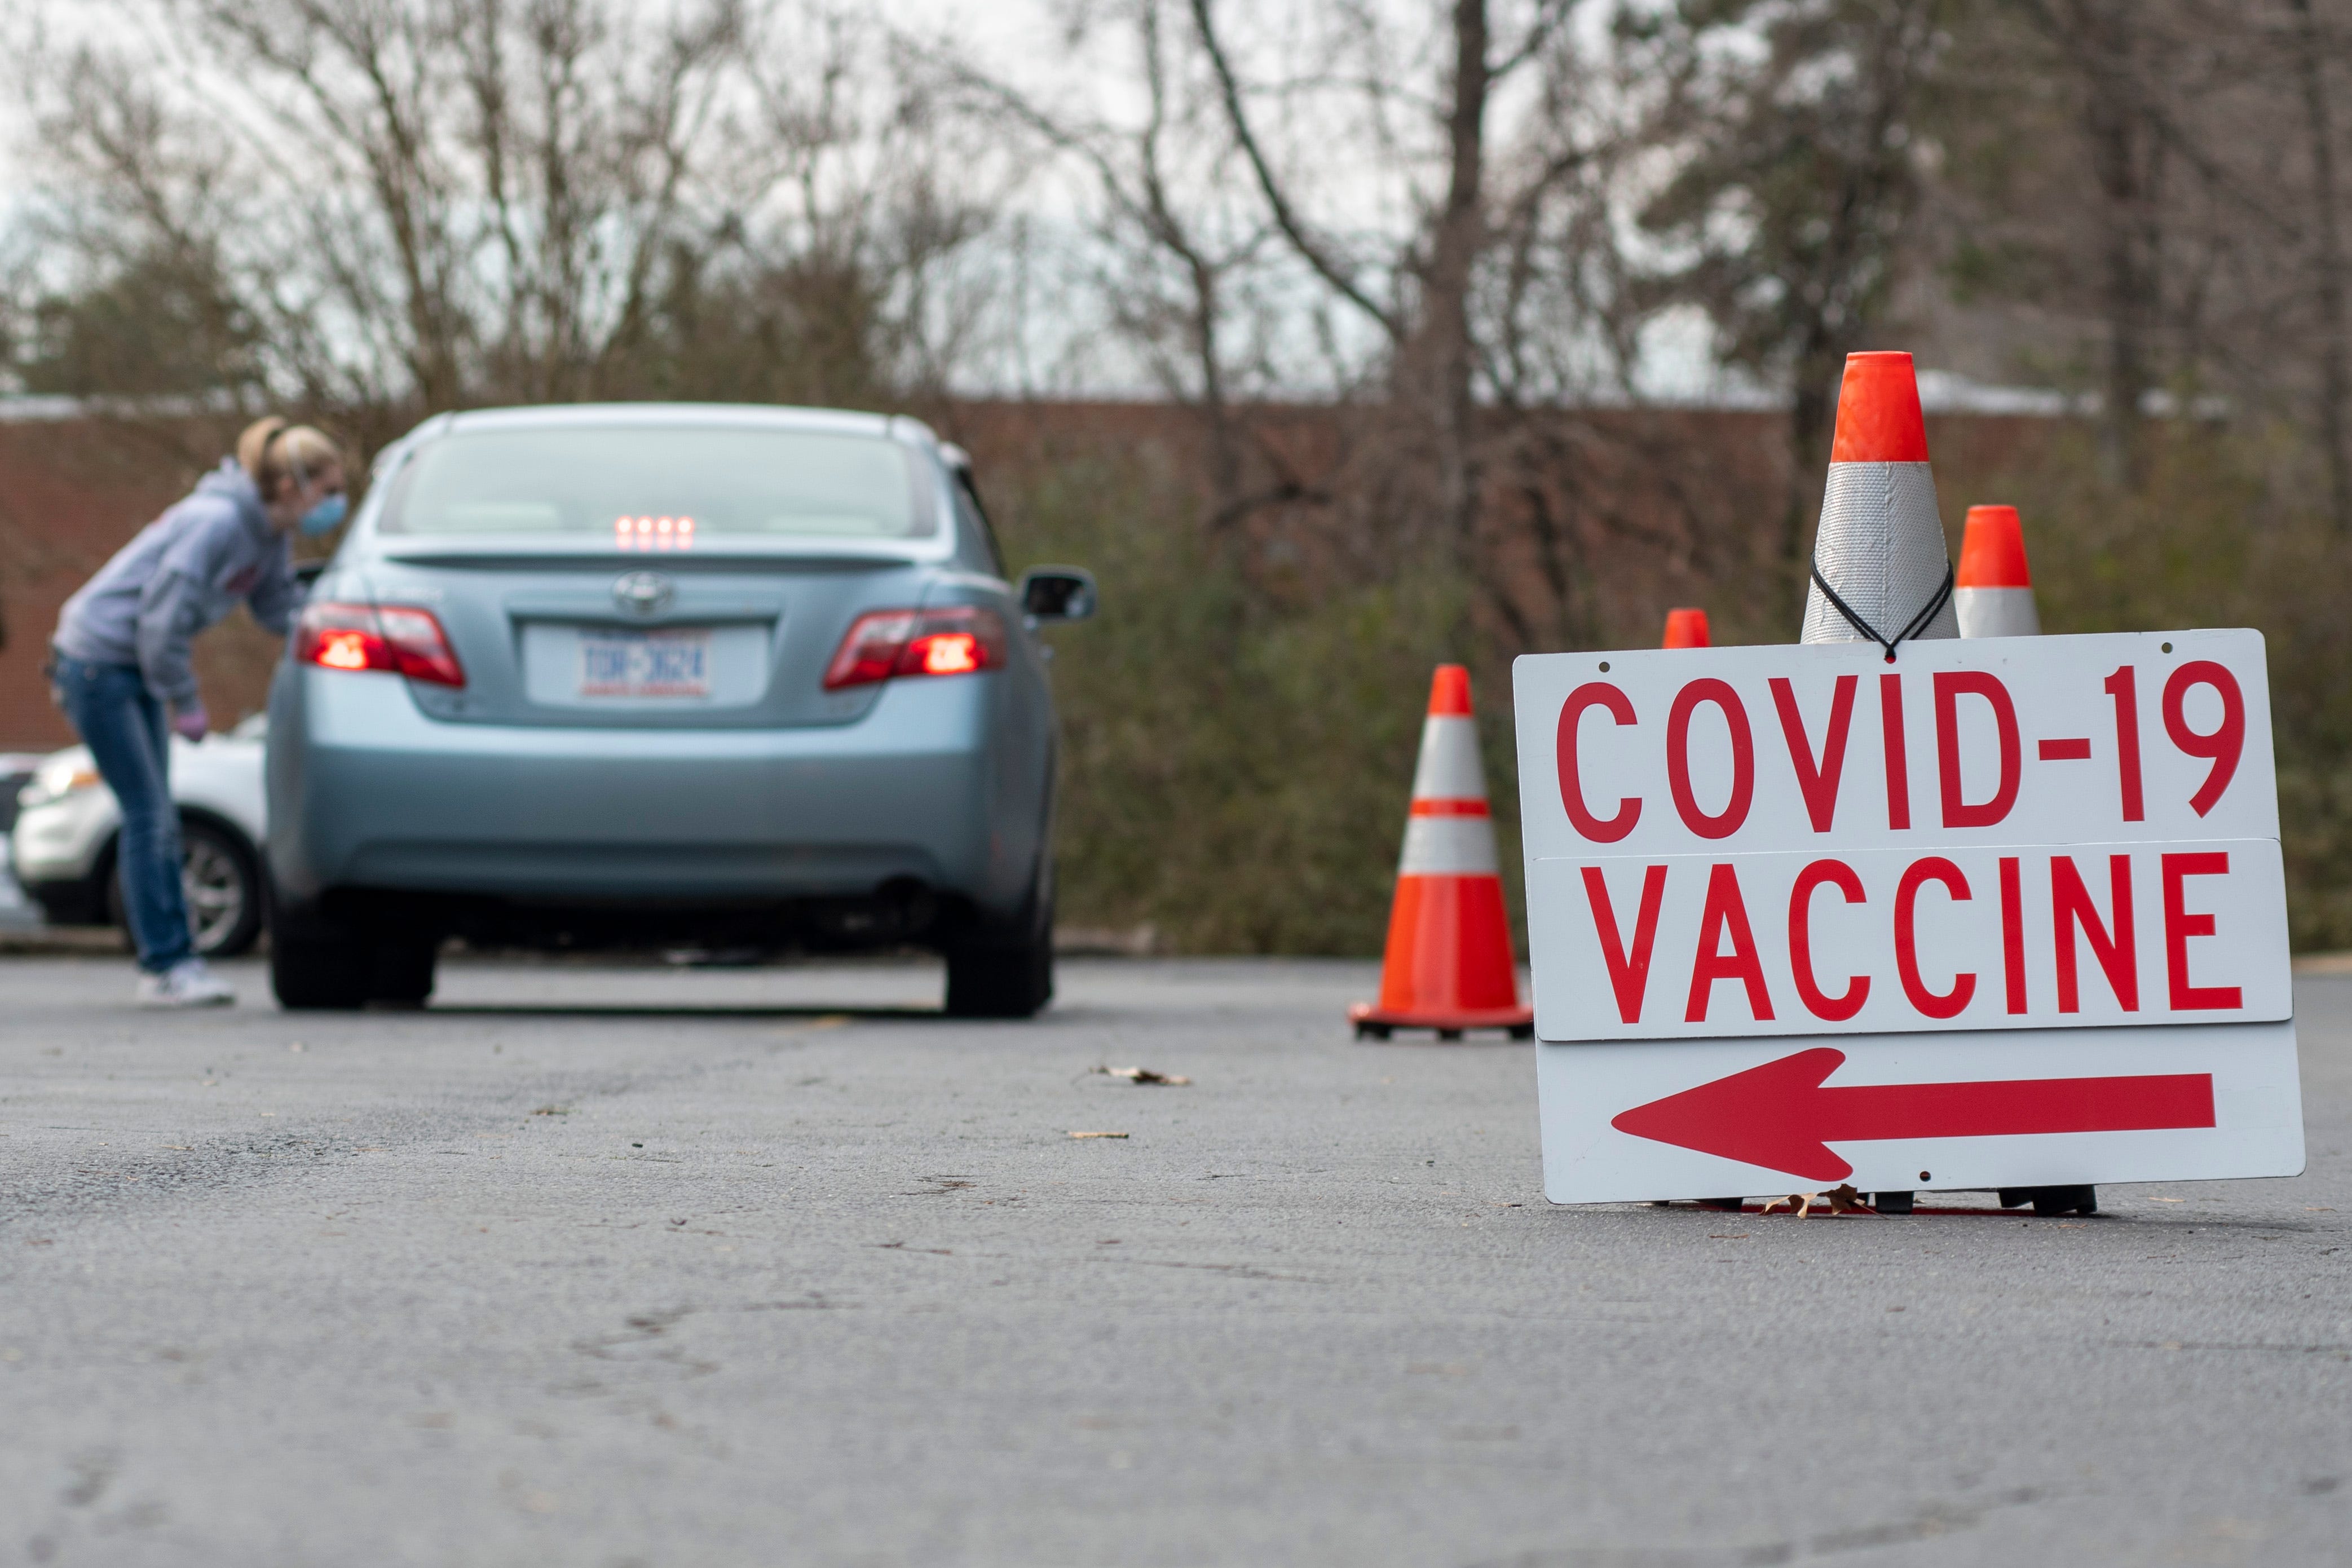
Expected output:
(1780, 1115)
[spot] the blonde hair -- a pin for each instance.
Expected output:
(273, 450)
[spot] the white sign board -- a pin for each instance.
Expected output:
(2002, 908)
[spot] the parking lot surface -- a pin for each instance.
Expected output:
(649, 1266)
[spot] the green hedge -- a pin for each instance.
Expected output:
(1237, 759)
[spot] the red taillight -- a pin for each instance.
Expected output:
(884, 643)
(398, 638)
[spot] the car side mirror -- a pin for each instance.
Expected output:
(1058, 594)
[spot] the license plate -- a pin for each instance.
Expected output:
(645, 663)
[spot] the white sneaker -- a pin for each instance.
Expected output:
(187, 983)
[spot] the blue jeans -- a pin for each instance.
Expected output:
(123, 726)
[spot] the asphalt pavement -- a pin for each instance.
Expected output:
(641, 1266)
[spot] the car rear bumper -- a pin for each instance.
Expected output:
(367, 792)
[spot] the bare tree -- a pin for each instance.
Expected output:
(2310, 51)
(412, 204)
(2115, 58)
(2150, 188)
(1173, 260)
(1471, 228)
(1408, 213)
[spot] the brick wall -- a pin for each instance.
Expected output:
(72, 492)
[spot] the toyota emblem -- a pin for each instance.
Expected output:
(645, 592)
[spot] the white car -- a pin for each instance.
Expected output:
(63, 844)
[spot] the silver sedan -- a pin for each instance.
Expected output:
(637, 674)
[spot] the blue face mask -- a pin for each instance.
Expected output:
(326, 516)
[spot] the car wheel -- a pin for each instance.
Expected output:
(220, 881)
(221, 878)
(1006, 972)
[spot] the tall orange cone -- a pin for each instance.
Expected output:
(1449, 966)
(1994, 592)
(1881, 572)
(1686, 628)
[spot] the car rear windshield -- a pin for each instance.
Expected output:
(684, 482)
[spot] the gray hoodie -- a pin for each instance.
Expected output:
(186, 570)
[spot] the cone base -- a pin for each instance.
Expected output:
(1376, 1021)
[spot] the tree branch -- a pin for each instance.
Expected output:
(1309, 249)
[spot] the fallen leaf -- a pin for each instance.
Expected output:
(553, 1111)
(1098, 1134)
(1803, 1202)
(1845, 1199)
(1145, 1075)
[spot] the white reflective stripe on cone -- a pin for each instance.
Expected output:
(1449, 846)
(1449, 768)
(1881, 545)
(1996, 613)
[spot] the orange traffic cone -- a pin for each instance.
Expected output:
(1686, 628)
(1449, 965)
(1881, 572)
(1994, 592)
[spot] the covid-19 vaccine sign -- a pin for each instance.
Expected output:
(2005, 912)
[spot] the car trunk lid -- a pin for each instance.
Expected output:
(720, 642)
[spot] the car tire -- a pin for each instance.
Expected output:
(225, 889)
(400, 974)
(1006, 972)
(321, 966)
(309, 975)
